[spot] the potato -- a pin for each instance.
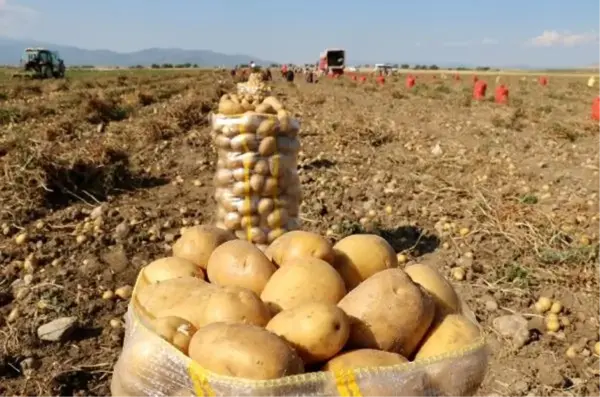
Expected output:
(446, 299)
(385, 382)
(257, 183)
(174, 330)
(223, 177)
(267, 127)
(244, 351)
(298, 244)
(229, 107)
(217, 304)
(362, 358)
(244, 143)
(359, 256)
(271, 187)
(452, 333)
(239, 263)
(197, 243)
(318, 331)
(300, 281)
(274, 102)
(388, 311)
(162, 296)
(168, 268)
(267, 146)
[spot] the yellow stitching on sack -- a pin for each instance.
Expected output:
(200, 380)
(345, 382)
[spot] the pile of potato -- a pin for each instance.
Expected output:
(254, 86)
(301, 305)
(257, 187)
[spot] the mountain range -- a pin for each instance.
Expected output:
(11, 50)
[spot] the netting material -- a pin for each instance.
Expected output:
(150, 366)
(257, 187)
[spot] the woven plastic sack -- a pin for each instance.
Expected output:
(150, 366)
(257, 187)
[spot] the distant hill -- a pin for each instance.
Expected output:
(11, 50)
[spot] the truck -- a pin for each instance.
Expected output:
(41, 63)
(332, 61)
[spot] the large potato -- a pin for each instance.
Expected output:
(388, 311)
(362, 358)
(197, 243)
(171, 267)
(240, 263)
(318, 331)
(299, 244)
(244, 351)
(460, 376)
(300, 281)
(452, 333)
(359, 256)
(221, 304)
(446, 299)
(162, 296)
(406, 383)
(174, 330)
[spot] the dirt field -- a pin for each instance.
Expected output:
(507, 193)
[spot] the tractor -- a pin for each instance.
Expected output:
(41, 63)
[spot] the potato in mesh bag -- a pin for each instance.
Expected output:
(257, 186)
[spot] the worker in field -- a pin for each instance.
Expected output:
(289, 76)
(284, 70)
(310, 76)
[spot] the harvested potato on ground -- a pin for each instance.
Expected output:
(174, 330)
(244, 351)
(240, 263)
(298, 244)
(445, 297)
(221, 304)
(171, 267)
(388, 311)
(300, 281)
(362, 358)
(197, 243)
(162, 296)
(452, 333)
(318, 331)
(359, 256)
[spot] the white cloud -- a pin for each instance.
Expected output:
(550, 38)
(16, 20)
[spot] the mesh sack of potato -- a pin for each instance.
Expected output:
(255, 85)
(257, 187)
(188, 337)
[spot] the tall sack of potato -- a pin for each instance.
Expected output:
(255, 86)
(257, 188)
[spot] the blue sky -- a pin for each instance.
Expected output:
(500, 33)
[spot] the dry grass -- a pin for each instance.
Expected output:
(434, 172)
